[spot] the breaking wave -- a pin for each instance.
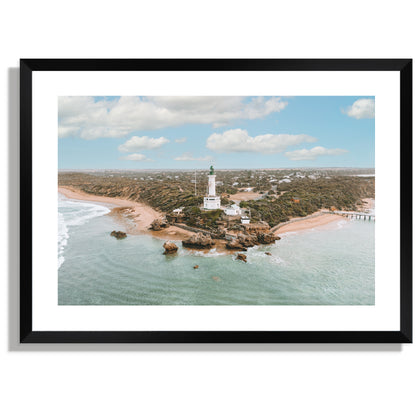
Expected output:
(74, 213)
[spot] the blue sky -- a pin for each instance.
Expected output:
(229, 132)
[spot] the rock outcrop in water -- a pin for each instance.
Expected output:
(158, 224)
(242, 242)
(267, 238)
(170, 248)
(198, 240)
(235, 245)
(242, 257)
(118, 234)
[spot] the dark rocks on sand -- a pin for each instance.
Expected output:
(242, 257)
(198, 240)
(170, 248)
(157, 225)
(118, 234)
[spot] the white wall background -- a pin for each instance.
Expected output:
(191, 380)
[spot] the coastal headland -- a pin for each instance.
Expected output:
(254, 207)
(137, 218)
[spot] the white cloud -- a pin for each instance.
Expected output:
(238, 140)
(187, 156)
(89, 118)
(138, 157)
(362, 108)
(312, 154)
(181, 140)
(65, 131)
(136, 143)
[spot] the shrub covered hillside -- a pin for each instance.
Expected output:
(160, 191)
(306, 196)
(282, 198)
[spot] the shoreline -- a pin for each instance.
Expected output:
(308, 223)
(319, 219)
(140, 215)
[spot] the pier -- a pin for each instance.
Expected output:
(355, 215)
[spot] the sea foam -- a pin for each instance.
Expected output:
(74, 213)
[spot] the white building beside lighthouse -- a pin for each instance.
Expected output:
(211, 200)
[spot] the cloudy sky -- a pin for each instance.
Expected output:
(229, 132)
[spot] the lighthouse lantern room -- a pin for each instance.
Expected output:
(211, 200)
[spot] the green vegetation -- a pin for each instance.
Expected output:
(209, 218)
(195, 217)
(285, 193)
(230, 190)
(192, 216)
(342, 193)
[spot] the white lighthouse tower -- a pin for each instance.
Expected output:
(211, 200)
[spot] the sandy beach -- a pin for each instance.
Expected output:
(308, 223)
(142, 215)
(314, 220)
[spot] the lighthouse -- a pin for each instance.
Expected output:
(211, 200)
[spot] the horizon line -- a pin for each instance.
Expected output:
(218, 169)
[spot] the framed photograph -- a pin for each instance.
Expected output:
(215, 201)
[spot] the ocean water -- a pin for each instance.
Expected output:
(331, 265)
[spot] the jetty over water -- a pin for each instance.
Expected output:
(355, 215)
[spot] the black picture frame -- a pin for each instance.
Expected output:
(404, 335)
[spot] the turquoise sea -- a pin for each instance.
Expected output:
(331, 265)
